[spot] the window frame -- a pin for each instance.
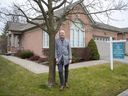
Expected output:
(72, 37)
(45, 40)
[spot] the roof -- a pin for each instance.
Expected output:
(18, 27)
(125, 29)
(109, 27)
(14, 26)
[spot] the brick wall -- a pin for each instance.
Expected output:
(32, 40)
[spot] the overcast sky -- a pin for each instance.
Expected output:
(120, 18)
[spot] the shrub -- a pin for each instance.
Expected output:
(25, 54)
(94, 54)
(34, 58)
(40, 60)
(74, 57)
(46, 51)
(17, 53)
(87, 54)
(77, 55)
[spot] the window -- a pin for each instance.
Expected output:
(45, 40)
(77, 35)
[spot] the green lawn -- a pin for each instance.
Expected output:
(92, 81)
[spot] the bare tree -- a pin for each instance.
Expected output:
(16, 18)
(50, 22)
(3, 42)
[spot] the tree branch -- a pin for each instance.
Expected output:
(67, 11)
(76, 24)
(29, 21)
(56, 7)
(44, 2)
(34, 7)
(43, 11)
(98, 12)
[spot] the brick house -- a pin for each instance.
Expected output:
(30, 37)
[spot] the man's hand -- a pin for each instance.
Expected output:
(70, 61)
(56, 61)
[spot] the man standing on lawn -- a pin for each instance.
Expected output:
(63, 57)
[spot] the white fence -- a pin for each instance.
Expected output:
(104, 49)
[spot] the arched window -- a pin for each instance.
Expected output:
(45, 40)
(77, 35)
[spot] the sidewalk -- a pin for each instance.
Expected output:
(38, 68)
(125, 93)
(29, 65)
(125, 60)
(87, 64)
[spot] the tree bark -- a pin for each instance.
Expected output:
(52, 65)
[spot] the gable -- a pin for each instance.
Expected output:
(79, 12)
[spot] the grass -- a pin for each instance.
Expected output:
(91, 81)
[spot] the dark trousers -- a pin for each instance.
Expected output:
(63, 75)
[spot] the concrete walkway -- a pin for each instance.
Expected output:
(38, 68)
(29, 65)
(87, 64)
(125, 93)
(125, 60)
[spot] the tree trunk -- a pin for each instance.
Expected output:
(52, 65)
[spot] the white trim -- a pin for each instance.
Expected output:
(119, 41)
(72, 38)
(45, 40)
(111, 54)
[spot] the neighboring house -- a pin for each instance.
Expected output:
(30, 37)
(123, 34)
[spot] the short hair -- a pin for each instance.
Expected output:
(61, 30)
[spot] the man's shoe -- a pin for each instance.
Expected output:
(62, 88)
(66, 85)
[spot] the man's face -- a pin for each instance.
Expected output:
(62, 34)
